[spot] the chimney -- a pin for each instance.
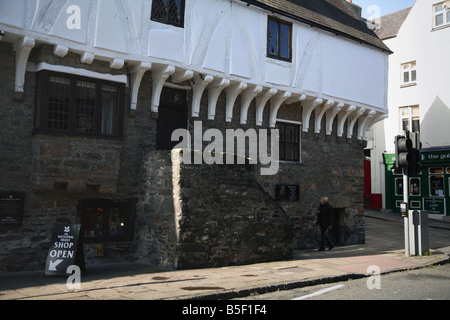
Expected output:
(355, 7)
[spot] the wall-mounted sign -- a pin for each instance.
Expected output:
(287, 192)
(99, 251)
(434, 205)
(437, 156)
(65, 249)
(11, 208)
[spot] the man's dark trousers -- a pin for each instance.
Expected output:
(324, 239)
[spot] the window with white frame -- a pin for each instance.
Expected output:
(441, 12)
(409, 73)
(410, 118)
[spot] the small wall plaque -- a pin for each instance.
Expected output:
(287, 192)
(11, 208)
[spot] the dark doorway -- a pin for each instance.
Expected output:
(172, 115)
(338, 229)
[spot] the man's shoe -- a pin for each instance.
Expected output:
(331, 247)
(321, 249)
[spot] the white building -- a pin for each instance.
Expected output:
(419, 101)
(223, 40)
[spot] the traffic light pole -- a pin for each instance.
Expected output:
(406, 218)
(408, 157)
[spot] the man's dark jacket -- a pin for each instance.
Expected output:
(325, 215)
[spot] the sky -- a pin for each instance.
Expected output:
(381, 7)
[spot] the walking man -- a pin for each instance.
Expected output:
(325, 220)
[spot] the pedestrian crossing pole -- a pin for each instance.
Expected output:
(403, 160)
(408, 157)
(406, 213)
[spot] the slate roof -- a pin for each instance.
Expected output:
(336, 16)
(390, 24)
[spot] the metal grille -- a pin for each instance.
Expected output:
(168, 11)
(58, 103)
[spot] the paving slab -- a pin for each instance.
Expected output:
(308, 267)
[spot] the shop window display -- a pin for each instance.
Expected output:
(106, 219)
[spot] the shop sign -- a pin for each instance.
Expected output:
(65, 249)
(389, 158)
(434, 205)
(436, 156)
(11, 208)
(427, 157)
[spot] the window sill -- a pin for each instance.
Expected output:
(407, 85)
(74, 135)
(290, 161)
(445, 26)
(278, 60)
(106, 240)
(168, 24)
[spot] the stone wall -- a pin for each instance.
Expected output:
(57, 171)
(330, 166)
(18, 244)
(156, 232)
(196, 216)
(226, 218)
(75, 164)
(16, 124)
(185, 215)
(321, 174)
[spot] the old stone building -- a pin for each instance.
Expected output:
(92, 93)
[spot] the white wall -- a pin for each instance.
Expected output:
(416, 41)
(225, 38)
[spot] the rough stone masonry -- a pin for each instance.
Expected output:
(182, 216)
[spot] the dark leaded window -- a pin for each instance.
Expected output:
(279, 39)
(85, 107)
(289, 141)
(168, 12)
(76, 105)
(58, 103)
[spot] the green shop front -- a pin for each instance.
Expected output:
(428, 191)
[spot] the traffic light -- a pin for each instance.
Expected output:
(415, 167)
(407, 153)
(403, 155)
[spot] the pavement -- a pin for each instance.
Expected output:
(384, 248)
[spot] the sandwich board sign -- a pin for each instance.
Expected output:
(65, 249)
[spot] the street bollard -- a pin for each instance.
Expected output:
(419, 241)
